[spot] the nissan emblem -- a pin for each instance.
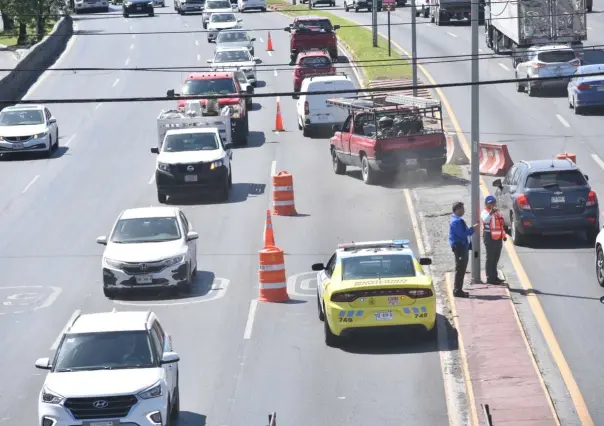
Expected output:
(190, 168)
(100, 404)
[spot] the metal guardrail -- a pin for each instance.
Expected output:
(486, 414)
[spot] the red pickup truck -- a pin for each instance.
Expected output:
(387, 135)
(312, 32)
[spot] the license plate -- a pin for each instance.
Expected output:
(191, 178)
(411, 161)
(99, 424)
(558, 200)
(321, 117)
(383, 316)
(143, 279)
(17, 145)
(394, 300)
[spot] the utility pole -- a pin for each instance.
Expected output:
(374, 22)
(413, 48)
(475, 137)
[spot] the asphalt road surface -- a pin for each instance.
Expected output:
(561, 269)
(53, 209)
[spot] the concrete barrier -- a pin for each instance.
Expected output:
(495, 159)
(455, 155)
(40, 57)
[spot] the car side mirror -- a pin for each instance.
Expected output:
(209, 61)
(292, 63)
(257, 60)
(497, 183)
(170, 93)
(287, 29)
(253, 39)
(43, 363)
(238, 20)
(52, 120)
(425, 261)
(336, 27)
(586, 177)
(169, 358)
(155, 150)
(318, 267)
(249, 90)
(192, 236)
(102, 241)
(228, 145)
(337, 128)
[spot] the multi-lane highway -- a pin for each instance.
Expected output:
(236, 367)
(560, 269)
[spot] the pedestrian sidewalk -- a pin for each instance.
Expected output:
(501, 367)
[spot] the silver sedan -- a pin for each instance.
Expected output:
(239, 38)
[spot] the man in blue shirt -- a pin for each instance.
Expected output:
(460, 242)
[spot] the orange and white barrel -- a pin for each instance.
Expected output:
(271, 275)
(283, 195)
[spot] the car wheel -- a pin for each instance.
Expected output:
(592, 234)
(162, 198)
(600, 266)
(56, 147)
(530, 90)
(570, 102)
(346, 8)
(224, 191)
(186, 287)
(321, 314)
(369, 175)
(331, 339)
(517, 238)
(151, 15)
(578, 110)
(49, 151)
(109, 293)
(338, 167)
(126, 15)
(519, 87)
(306, 132)
(175, 409)
(230, 180)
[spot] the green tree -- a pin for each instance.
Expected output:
(32, 14)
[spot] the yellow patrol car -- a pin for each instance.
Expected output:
(374, 284)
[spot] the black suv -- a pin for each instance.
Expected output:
(547, 196)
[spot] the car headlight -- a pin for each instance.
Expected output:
(41, 135)
(150, 3)
(235, 111)
(116, 264)
(174, 260)
(49, 397)
(216, 164)
(163, 167)
(152, 392)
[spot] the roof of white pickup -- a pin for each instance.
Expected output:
(110, 321)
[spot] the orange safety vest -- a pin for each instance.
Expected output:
(496, 227)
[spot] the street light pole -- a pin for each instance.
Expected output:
(475, 138)
(389, 42)
(374, 22)
(413, 48)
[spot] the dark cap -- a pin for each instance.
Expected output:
(457, 205)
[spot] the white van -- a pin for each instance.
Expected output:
(313, 112)
(243, 5)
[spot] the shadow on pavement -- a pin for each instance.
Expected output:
(239, 193)
(411, 180)
(201, 286)
(25, 156)
(559, 242)
(188, 418)
(255, 139)
(524, 292)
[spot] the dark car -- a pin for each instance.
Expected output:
(138, 7)
(547, 197)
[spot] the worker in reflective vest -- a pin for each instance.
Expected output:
(493, 235)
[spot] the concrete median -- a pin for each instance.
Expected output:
(495, 159)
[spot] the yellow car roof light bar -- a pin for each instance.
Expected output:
(375, 244)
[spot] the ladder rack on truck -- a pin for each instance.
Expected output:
(427, 107)
(195, 116)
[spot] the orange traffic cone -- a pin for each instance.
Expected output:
(269, 236)
(278, 119)
(269, 43)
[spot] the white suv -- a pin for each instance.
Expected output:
(111, 369)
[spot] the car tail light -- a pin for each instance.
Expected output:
(419, 293)
(575, 62)
(522, 202)
(583, 86)
(592, 199)
(538, 65)
(332, 70)
(343, 297)
(297, 72)
(306, 108)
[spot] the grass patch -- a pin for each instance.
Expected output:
(452, 170)
(9, 38)
(360, 42)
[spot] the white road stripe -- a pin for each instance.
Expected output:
(261, 40)
(503, 66)
(196, 42)
(72, 137)
(130, 27)
(151, 179)
(132, 47)
(127, 62)
(562, 120)
(55, 345)
(198, 57)
(480, 50)
(598, 160)
(273, 168)
(115, 83)
(451, 34)
(247, 334)
(269, 53)
(36, 177)
(98, 106)
(589, 28)
(186, 25)
(276, 72)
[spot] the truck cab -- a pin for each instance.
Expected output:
(389, 135)
(312, 32)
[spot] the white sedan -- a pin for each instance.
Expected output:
(236, 58)
(149, 248)
(28, 128)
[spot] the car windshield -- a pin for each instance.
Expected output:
(21, 118)
(241, 78)
(223, 17)
(380, 266)
(210, 85)
(554, 56)
(315, 62)
(190, 142)
(105, 351)
(233, 56)
(218, 5)
(145, 230)
(323, 25)
(232, 37)
(561, 179)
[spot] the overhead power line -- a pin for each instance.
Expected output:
(279, 94)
